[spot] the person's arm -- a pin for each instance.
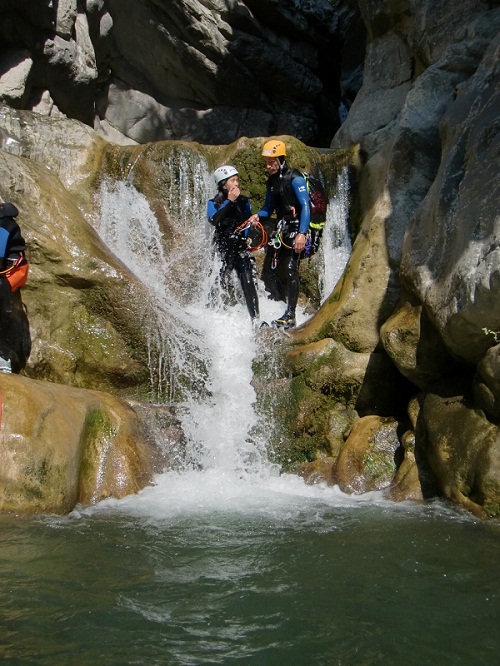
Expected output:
(300, 188)
(221, 217)
(248, 209)
(268, 207)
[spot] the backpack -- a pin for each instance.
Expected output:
(318, 199)
(13, 264)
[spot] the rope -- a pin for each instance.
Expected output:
(263, 234)
(10, 269)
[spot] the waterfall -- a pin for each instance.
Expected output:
(130, 229)
(335, 247)
(200, 337)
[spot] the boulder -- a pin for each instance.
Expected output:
(415, 347)
(15, 69)
(364, 382)
(487, 384)
(463, 450)
(62, 446)
(367, 461)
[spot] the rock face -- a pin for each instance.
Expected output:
(80, 321)
(211, 72)
(79, 307)
(422, 286)
(400, 365)
(62, 446)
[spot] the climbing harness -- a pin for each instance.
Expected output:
(277, 241)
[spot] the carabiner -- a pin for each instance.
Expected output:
(275, 242)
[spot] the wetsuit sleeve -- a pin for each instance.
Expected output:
(222, 217)
(248, 209)
(300, 189)
(211, 210)
(269, 205)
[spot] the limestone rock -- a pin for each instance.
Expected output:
(66, 14)
(61, 446)
(78, 298)
(362, 298)
(15, 70)
(457, 275)
(487, 384)
(340, 422)
(360, 381)
(464, 452)
(367, 459)
(406, 484)
(253, 69)
(68, 148)
(415, 347)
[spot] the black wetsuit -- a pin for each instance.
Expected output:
(226, 216)
(286, 194)
(12, 249)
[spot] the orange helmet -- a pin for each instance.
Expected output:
(274, 148)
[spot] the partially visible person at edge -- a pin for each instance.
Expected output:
(12, 253)
(227, 211)
(287, 195)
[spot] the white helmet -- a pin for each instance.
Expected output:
(223, 173)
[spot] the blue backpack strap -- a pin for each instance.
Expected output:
(4, 237)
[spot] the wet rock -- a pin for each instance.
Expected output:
(62, 446)
(415, 347)
(463, 449)
(360, 381)
(487, 384)
(79, 328)
(367, 460)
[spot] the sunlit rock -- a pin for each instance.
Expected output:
(15, 68)
(367, 461)
(487, 384)
(78, 298)
(458, 274)
(463, 449)
(415, 347)
(361, 381)
(211, 72)
(62, 446)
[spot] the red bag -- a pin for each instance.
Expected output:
(17, 274)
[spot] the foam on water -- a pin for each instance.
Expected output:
(232, 472)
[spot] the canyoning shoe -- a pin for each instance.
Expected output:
(286, 321)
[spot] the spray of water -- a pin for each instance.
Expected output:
(199, 330)
(335, 246)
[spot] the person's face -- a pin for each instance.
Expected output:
(231, 182)
(272, 165)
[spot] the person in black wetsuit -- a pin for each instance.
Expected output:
(12, 258)
(287, 195)
(227, 211)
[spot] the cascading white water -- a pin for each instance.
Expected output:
(335, 246)
(231, 462)
(130, 229)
